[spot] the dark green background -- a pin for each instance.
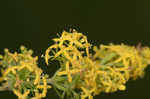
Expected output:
(34, 22)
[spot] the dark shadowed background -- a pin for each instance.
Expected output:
(34, 23)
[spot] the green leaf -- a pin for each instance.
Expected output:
(60, 87)
(60, 78)
(76, 95)
(76, 78)
(63, 95)
(24, 74)
(108, 58)
(58, 93)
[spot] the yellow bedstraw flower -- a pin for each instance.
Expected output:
(37, 95)
(87, 93)
(38, 74)
(20, 95)
(75, 40)
(122, 87)
(10, 69)
(21, 69)
(1, 79)
(44, 87)
(68, 72)
(48, 51)
(128, 55)
(107, 70)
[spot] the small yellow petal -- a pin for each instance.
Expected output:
(122, 87)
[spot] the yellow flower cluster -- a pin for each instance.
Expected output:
(107, 70)
(81, 74)
(67, 44)
(23, 76)
(132, 60)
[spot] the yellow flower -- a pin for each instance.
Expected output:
(48, 51)
(37, 95)
(38, 74)
(87, 93)
(44, 87)
(122, 87)
(22, 96)
(11, 69)
(66, 72)
(1, 79)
